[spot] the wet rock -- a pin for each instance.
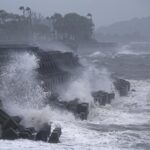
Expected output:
(43, 133)
(62, 105)
(7, 121)
(10, 124)
(72, 105)
(54, 98)
(122, 86)
(9, 134)
(54, 138)
(83, 111)
(103, 98)
(25, 135)
(31, 130)
(133, 90)
(111, 96)
(17, 119)
(58, 130)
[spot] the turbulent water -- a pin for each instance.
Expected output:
(123, 125)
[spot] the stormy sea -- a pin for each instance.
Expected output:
(122, 125)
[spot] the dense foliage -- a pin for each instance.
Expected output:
(71, 26)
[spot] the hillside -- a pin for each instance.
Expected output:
(131, 30)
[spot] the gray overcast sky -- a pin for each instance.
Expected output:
(104, 12)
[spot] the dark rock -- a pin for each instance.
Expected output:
(122, 86)
(10, 124)
(3, 116)
(103, 98)
(54, 98)
(54, 138)
(62, 105)
(43, 133)
(111, 96)
(32, 133)
(17, 119)
(9, 134)
(7, 121)
(83, 111)
(21, 128)
(25, 135)
(133, 90)
(31, 130)
(100, 97)
(58, 130)
(72, 105)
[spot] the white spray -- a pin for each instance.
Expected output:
(91, 79)
(22, 94)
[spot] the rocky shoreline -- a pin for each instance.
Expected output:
(11, 127)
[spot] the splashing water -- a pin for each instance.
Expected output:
(19, 84)
(91, 79)
(22, 93)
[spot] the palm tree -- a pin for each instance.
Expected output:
(29, 18)
(22, 9)
(89, 15)
(3, 15)
(28, 9)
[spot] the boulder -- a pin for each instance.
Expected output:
(25, 135)
(54, 98)
(72, 105)
(83, 110)
(43, 133)
(133, 90)
(17, 119)
(10, 124)
(3, 116)
(7, 121)
(111, 96)
(103, 98)
(9, 134)
(32, 132)
(54, 138)
(122, 86)
(58, 130)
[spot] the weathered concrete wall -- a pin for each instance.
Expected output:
(55, 67)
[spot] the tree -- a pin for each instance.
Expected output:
(23, 10)
(3, 16)
(78, 27)
(58, 24)
(73, 26)
(89, 15)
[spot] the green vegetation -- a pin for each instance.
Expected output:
(29, 25)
